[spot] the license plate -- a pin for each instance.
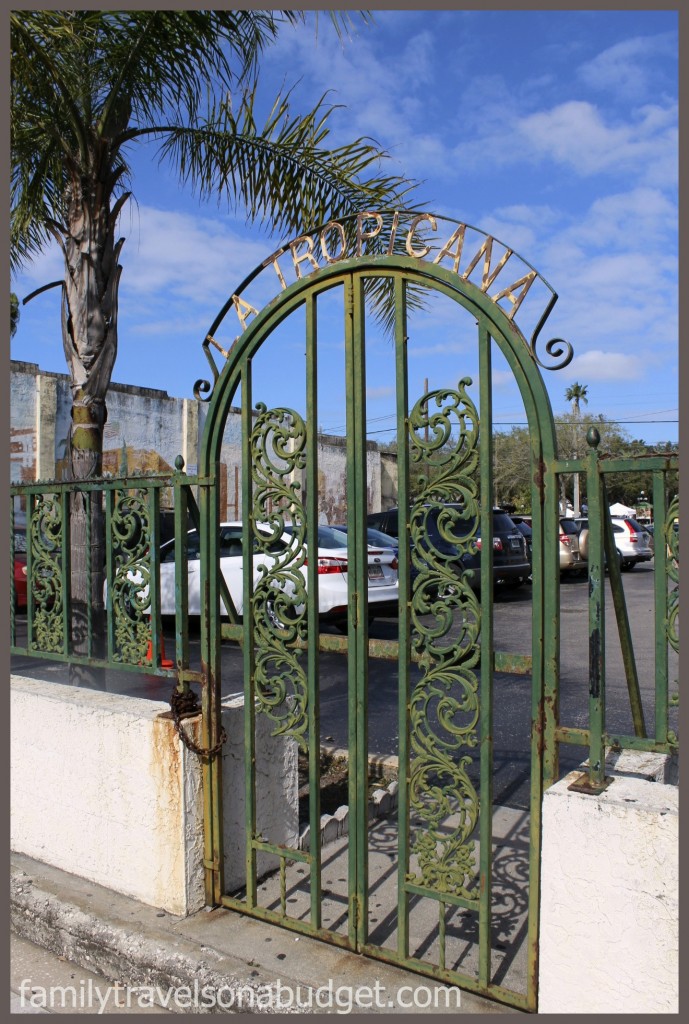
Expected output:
(375, 572)
(515, 543)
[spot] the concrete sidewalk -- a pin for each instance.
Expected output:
(189, 965)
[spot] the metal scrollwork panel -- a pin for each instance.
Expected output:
(47, 547)
(672, 540)
(130, 536)
(445, 618)
(278, 520)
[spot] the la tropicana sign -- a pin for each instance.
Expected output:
(511, 283)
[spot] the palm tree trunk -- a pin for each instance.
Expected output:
(89, 335)
(87, 541)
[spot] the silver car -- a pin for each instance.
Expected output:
(632, 542)
(570, 555)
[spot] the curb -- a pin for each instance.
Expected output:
(134, 960)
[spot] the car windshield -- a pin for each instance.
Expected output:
(569, 526)
(328, 537)
(502, 523)
(382, 540)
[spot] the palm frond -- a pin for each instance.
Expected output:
(282, 174)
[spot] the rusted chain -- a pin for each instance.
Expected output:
(183, 705)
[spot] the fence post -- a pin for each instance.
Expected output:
(594, 781)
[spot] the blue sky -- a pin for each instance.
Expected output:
(556, 131)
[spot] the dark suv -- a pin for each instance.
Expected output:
(511, 563)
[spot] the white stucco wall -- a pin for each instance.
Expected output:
(609, 895)
(102, 787)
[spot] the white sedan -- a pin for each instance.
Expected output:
(277, 555)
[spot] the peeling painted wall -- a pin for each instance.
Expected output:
(145, 432)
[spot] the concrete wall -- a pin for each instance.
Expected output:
(609, 894)
(102, 787)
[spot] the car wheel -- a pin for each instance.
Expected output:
(283, 621)
(513, 584)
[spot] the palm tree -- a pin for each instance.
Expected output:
(576, 394)
(86, 87)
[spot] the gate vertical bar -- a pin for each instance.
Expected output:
(313, 705)
(596, 616)
(487, 649)
(211, 721)
(248, 645)
(404, 639)
(110, 496)
(181, 578)
(153, 503)
(357, 573)
(542, 626)
(67, 571)
(88, 499)
(660, 560)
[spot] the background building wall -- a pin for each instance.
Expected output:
(146, 430)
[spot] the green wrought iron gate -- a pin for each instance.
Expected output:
(442, 846)
(444, 879)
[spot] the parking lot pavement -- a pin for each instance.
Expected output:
(512, 612)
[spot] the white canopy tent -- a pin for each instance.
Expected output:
(618, 509)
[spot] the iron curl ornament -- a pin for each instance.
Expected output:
(445, 619)
(47, 550)
(130, 527)
(278, 442)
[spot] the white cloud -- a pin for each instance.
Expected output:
(198, 257)
(626, 67)
(597, 366)
(576, 134)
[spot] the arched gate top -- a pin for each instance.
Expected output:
(378, 239)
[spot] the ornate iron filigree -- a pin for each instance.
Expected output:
(672, 540)
(130, 527)
(47, 546)
(278, 441)
(445, 617)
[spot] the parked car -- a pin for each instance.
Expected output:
(376, 538)
(511, 565)
(570, 555)
(526, 531)
(333, 598)
(20, 590)
(632, 542)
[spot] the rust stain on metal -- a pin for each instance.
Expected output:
(539, 476)
(594, 663)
